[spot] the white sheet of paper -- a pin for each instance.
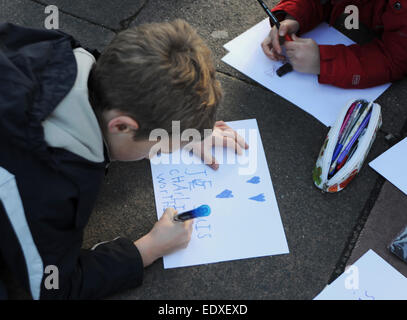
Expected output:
(322, 101)
(238, 227)
(378, 280)
(393, 164)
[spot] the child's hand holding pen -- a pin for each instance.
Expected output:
(166, 237)
(272, 45)
(303, 55)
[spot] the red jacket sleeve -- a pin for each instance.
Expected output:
(308, 13)
(362, 66)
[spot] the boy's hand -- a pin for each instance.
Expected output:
(304, 55)
(222, 136)
(271, 45)
(166, 237)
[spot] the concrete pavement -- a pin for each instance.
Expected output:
(384, 224)
(323, 231)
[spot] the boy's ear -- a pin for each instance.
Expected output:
(122, 124)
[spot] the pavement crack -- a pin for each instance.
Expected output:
(357, 230)
(403, 132)
(124, 24)
(249, 82)
(75, 16)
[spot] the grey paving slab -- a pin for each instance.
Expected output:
(31, 14)
(394, 107)
(317, 225)
(109, 13)
(386, 220)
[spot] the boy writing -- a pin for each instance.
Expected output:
(63, 117)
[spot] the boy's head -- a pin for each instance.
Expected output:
(148, 77)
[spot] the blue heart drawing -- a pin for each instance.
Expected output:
(225, 194)
(254, 180)
(259, 198)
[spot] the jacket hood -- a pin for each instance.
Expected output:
(37, 70)
(73, 125)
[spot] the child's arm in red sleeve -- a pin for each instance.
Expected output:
(309, 13)
(362, 66)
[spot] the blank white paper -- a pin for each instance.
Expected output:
(245, 221)
(322, 101)
(392, 165)
(370, 278)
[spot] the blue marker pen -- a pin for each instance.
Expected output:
(345, 130)
(202, 211)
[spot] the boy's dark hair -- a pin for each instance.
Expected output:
(157, 73)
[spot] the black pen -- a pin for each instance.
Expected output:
(275, 21)
(287, 67)
(270, 14)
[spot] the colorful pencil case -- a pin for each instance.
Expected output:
(358, 122)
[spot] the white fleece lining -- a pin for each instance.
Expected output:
(10, 197)
(73, 125)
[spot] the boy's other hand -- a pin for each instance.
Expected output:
(166, 237)
(271, 45)
(222, 136)
(304, 55)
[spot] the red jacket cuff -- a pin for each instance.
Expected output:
(284, 9)
(328, 74)
(280, 15)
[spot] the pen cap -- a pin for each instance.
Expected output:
(203, 211)
(354, 161)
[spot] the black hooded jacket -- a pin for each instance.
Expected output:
(47, 194)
